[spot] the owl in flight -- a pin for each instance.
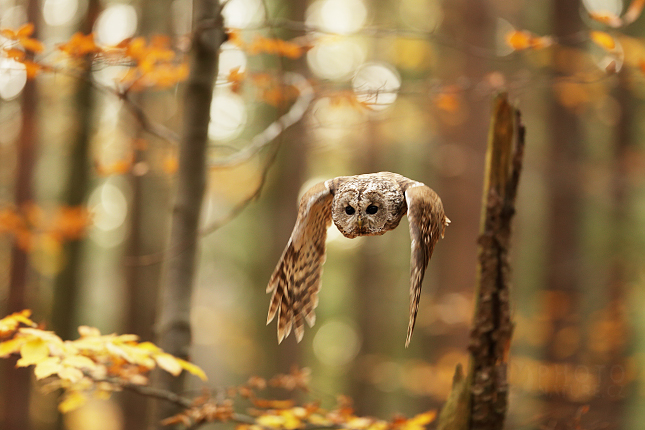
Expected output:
(362, 205)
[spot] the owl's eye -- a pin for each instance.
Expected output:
(371, 209)
(349, 210)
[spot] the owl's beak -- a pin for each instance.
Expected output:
(360, 224)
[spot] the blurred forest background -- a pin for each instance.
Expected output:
(398, 85)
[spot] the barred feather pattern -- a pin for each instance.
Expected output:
(295, 283)
(427, 225)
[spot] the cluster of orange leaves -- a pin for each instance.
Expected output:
(265, 45)
(270, 89)
(31, 225)
(152, 64)
(21, 43)
(286, 414)
(155, 64)
(93, 365)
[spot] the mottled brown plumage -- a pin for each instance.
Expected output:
(362, 205)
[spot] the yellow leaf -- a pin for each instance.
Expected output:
(168, 363)
(11, 346)
(149, 346)
(47, 367)
(79, 362)
(603, 39)
(88, 331)
(11, 322)
(32, 352)
(70, 374)
(273, 421)
(192, 368)
(418, 422)
(72, 401)
(424, 418)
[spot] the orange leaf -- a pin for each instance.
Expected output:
(603, 39)
(519, 40)
(633, 11)
(32, 68)
(26, 30)
(33, 45)
(447, 101)
(9, 34)
(606, 18)
(234, 37)
(14, 53)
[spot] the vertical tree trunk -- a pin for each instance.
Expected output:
(66, 287)
(17, 381)
(174, 332)
(148, 225)
(565, 188)
(479, 401)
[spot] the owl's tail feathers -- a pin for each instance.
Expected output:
(294, 298)
(414, 309)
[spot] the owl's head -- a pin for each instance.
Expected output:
(361, 212)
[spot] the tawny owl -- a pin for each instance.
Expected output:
(362, 205)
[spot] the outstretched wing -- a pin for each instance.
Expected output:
(427, 224)
(296, 279)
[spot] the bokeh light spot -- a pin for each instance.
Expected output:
(13, 77)
(336, 343)
(614, 7)
(243, 13)
(335, 59)
(228, 115)
(115, 23)
(377, 85)
(424, 15)
(59, 12)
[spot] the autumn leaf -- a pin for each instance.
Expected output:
(11, 322)
(80, 45)
(22, 37)
(606, 18)
(72, 400)
(233, 35)
(168, 363)
(191, 368)
(519, 40)
(15, 54)
(418, 422)
(633, 11)
(10, 346)
(603, 39)
(32, 352)
(47, 367)
(235, 78)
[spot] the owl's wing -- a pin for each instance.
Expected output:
(296, 279)
(427, 224)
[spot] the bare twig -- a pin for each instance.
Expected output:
(262, 140)
(293, 115)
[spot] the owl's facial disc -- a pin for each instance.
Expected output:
(373, 213)
(345, 213)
